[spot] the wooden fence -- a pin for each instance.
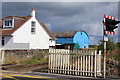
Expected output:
(75, 62)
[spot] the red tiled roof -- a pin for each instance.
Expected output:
(18, 22)
(22, 17)
(47, 30)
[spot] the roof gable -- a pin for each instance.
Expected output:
(18, 22)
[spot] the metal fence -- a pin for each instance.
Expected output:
(75, 62)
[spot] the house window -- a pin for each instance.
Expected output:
(8, 23)
(33, 24)
(3, 41)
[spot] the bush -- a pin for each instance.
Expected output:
(114, 54)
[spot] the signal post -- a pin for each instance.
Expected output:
(109, 24)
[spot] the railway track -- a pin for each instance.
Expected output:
(43, 67)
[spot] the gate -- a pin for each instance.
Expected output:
(1, 56)
(75, 62)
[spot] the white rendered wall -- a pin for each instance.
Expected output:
(39, 40)
(9, 45)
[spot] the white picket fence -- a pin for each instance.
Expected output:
(75, 62)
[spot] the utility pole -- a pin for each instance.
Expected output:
(109, 24)
(104, 55)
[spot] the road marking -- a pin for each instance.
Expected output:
(33, 77)
(27, 76)
(8, 76)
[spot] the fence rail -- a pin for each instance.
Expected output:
(75, 62)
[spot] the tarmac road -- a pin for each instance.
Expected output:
(25, 77)
(47, 76)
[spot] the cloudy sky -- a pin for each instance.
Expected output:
(67, 16)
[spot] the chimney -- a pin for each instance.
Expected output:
(32, 13)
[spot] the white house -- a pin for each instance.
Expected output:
(25, 32)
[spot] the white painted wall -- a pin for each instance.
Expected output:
(10, 45)
(39, 40)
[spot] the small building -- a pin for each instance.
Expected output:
(25, 32)
(71, 39)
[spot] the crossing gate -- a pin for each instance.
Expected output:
(1, 56)
(75, 62)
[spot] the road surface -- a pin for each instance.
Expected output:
(45, 76)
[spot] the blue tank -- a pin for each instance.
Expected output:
(80, 39)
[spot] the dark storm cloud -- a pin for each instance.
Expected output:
(65, 16)
(0, 9)
(119, 19)
(57, 9)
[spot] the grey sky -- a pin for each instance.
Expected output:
(60, 0)
(66, 16)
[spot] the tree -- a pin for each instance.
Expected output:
(95, 47)
(100, 46)
(110, 45)
(118, 45)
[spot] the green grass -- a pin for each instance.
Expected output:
(36, 61)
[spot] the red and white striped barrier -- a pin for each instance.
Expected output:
(104, 22)
(110, 17)
(108, 32)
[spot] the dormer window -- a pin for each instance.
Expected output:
(8, 24)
